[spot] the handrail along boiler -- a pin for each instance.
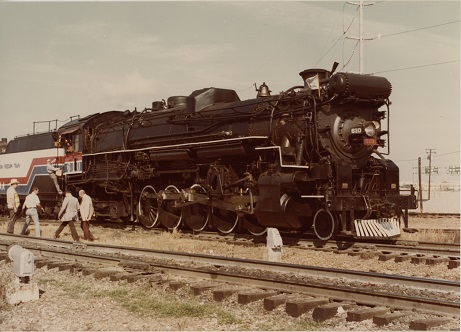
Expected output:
(305, 158)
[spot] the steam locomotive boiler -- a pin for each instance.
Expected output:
(305, 158)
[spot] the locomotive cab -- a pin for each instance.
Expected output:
(70, 138)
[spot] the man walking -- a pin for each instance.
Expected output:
(67, 214)
(86, 212)
(31, 206)
(12, 199)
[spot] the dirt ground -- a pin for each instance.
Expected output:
(434, 222)
(74, 302)
(71, 302)
(169, 241)
(432, 229)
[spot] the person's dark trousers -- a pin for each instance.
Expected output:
(85, 225)
(24, 228)
(11, 221)
(73, 230)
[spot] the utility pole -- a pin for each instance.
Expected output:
(430, 171)
(420, 186)
(360, 38)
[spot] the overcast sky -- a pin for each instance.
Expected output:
(60, 59)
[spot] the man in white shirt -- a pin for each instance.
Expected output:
(86, 212)
(12, 199)
(31, 206)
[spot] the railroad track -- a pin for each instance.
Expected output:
(311, 242)
(364, 288)
(306, 239)
(427, 248)
(433, 214)
(398, 250)
(305, 242)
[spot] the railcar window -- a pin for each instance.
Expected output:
(76, 142)
(3, 145)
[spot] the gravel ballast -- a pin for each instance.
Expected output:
(71, 301)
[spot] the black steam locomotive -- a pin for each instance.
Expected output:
(305, 158)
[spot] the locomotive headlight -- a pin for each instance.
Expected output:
(371, 128)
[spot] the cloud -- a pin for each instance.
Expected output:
(288, 16)
(100, 35)
(190, 53)
(81, 32)
(132, 84)
(137, 44)
(95, 34)
(122, 92)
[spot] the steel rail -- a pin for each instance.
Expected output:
(357, 295)
(311, 271)
(212, 272)
(417, 247)
(428, 248)
(424, 248)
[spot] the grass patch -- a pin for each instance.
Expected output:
(71, 290)
(225, 317)
(117, 294)
(165, 308)
(146, 304)
(429, 235)
(75, 290)
(297, 325)
(307, 325)
(45, 282)
(158, 306)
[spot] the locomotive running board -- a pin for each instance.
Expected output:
(377, 228)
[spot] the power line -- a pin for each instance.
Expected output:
(445, 154)
(406, 68)
(424, 28)
(352, 54)
(440, 155)
(421, 66)
(340, 37)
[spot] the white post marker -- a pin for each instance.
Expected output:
(21, 290)
(274, 245)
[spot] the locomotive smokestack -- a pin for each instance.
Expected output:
(323, 75)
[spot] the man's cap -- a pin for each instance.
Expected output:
(13, 181)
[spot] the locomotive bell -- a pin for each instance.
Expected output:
(263, 90)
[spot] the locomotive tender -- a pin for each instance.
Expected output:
(305, 158)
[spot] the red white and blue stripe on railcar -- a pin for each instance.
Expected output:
(29, 168)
